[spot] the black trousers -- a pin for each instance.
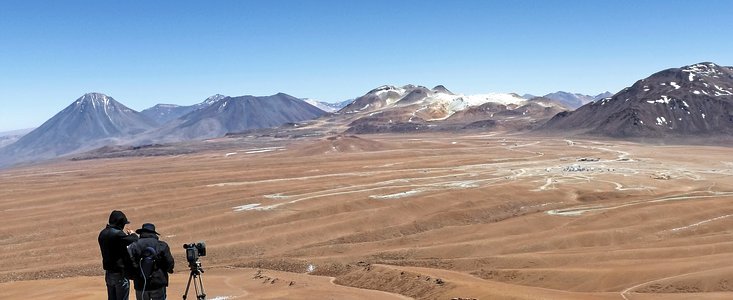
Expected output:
(158, 294)
(118, 287)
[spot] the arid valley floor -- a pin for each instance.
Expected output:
(425, 216)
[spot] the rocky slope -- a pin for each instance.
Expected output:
(694, 100)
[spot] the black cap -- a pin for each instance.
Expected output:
(147, 227)
(118, 218)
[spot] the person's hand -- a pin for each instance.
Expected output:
(128, 231)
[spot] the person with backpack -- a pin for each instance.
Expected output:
(151, 262)
(113, 240)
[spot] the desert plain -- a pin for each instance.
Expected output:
(418, 216)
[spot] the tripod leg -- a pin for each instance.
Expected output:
(188, 285)
(201, 296)
(196, 287)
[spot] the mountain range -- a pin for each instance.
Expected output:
(571, 100)
(96, 120)
(418, 108)
(233, 114)
(694, 100)
(91, 121)
(163, 113)
(326, 106)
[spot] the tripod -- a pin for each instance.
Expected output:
(195, 275)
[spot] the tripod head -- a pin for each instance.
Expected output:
(196, 267)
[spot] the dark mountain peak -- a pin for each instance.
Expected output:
(539, 99)
(442, 89)
(547, 102)
(236, 114)
(707, 79)
(163, 113)
(707, 70)
(279, 96)
(703, 68)
(376, 98)
(570, 100)
(164, 105)
(562, 93)
(383, 88)
(284, 95)
(416, 94)
(600, 96)
(691, 100)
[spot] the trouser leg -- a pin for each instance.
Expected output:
(158, 294)
(118, 287)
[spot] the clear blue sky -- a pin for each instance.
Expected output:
(147, 52)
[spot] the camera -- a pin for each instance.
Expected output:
(193, 251)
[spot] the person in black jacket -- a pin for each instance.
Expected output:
(113, 241)
(151, 278)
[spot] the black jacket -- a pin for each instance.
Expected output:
(163, 262)
(113, 243)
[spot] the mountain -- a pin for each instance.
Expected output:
(91, 121)
(416, 108)
(327, 106)
(18, 132)
(163, 113)
(575, 100)
(234, 114)
(421, 102)
(9, 137)
(511, 117)
(694, 100)
(600, 96)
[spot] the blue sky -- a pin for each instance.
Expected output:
(147, 52)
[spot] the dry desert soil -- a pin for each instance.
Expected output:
(425, 216)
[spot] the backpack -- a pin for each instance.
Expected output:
(144, 261)
(147, 262)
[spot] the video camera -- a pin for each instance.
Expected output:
(193, 252)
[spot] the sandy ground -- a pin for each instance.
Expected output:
(423, 216)
(220, 284)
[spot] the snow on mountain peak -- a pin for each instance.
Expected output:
(386, 90)
(457, 102)
(701, 69)
(213, 99)
(502, 98)
(383, 88)
(95, 100)
(320, 104)
(88, 97)
(325, 106)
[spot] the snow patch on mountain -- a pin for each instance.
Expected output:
(212, 100)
